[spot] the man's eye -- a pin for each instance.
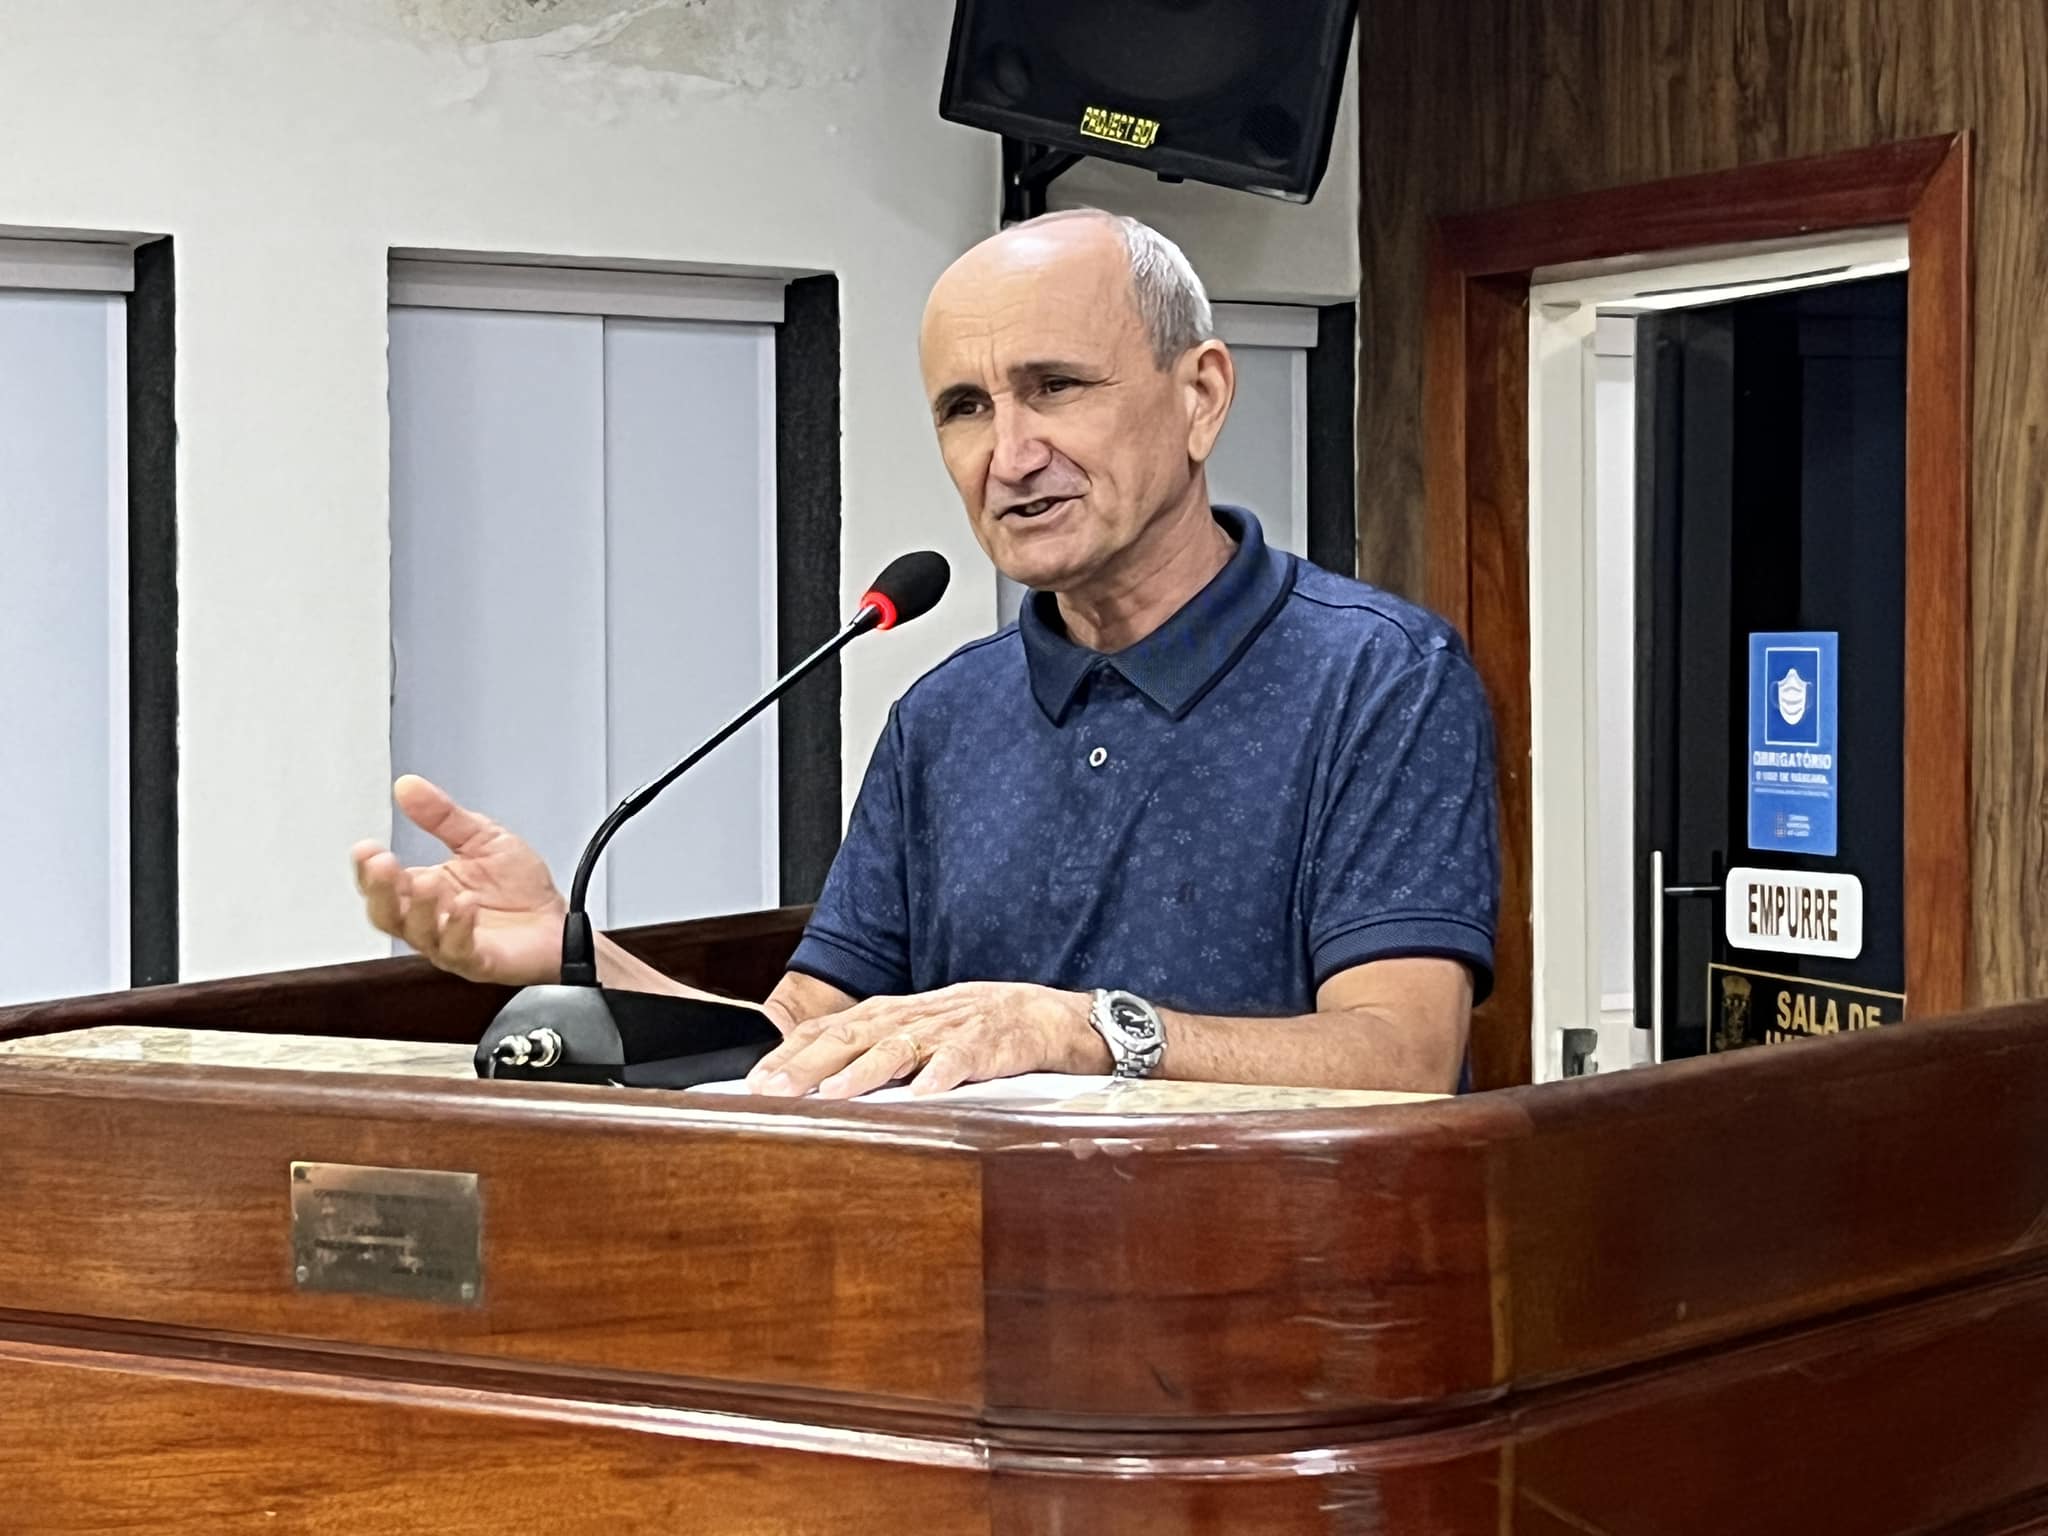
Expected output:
(1057, 386)
(960, 408)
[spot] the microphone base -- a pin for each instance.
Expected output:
(633, 1039)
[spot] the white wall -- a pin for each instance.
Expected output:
(289, 146)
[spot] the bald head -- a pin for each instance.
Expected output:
(1164, 292)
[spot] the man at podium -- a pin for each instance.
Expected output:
(1206, 811)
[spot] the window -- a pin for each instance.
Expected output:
(64, 776)
(585, 567)
(1261, 460)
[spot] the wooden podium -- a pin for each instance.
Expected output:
(1802, 1289)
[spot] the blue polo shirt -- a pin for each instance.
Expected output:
(1292, 776)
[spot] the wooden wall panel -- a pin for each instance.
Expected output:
(1496, 323)
(178, 1448)
(620, 1236)
(1498, 102)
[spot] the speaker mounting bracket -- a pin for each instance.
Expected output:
(1028, 169)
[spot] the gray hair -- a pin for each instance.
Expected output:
(1172, 303)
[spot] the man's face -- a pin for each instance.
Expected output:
(1065, 437)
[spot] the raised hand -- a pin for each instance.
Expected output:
(489, 912)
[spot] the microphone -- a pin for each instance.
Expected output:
(908, 588)
(579, 1031)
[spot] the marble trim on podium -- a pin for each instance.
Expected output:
(397, 1058)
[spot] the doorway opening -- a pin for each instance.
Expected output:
(1480, 543)
(1672, 472)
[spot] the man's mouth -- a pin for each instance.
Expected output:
(1038, 508)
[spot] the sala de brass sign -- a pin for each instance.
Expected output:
(1747, 1007)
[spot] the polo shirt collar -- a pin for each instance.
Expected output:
(1183, 658)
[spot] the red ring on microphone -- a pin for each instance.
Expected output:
(880, 602)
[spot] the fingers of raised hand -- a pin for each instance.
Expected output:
(419, 922)
(360, 857)
(455, 944)
(381, 879)
(434, 811)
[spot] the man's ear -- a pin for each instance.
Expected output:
(1208, 380)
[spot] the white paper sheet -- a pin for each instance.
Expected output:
(1037, 1087)
(1108, 1096)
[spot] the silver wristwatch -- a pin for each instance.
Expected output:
(1131, 1028)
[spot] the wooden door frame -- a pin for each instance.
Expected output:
(1476, 490)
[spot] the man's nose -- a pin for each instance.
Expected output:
(1021, 450)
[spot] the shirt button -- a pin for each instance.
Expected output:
(1098, 757)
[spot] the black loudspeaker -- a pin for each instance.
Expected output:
(1242, 93)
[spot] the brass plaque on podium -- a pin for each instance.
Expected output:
(413, 1233)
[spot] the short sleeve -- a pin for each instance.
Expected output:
(1405, 854)
(858, 938)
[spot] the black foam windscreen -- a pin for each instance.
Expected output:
(1242, 93)
(913, 584)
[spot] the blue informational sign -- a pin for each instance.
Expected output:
(1793, 768)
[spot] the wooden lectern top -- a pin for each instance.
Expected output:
(1798, 1289)
(455, 1063)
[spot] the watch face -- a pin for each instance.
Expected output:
(1134, 1021)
